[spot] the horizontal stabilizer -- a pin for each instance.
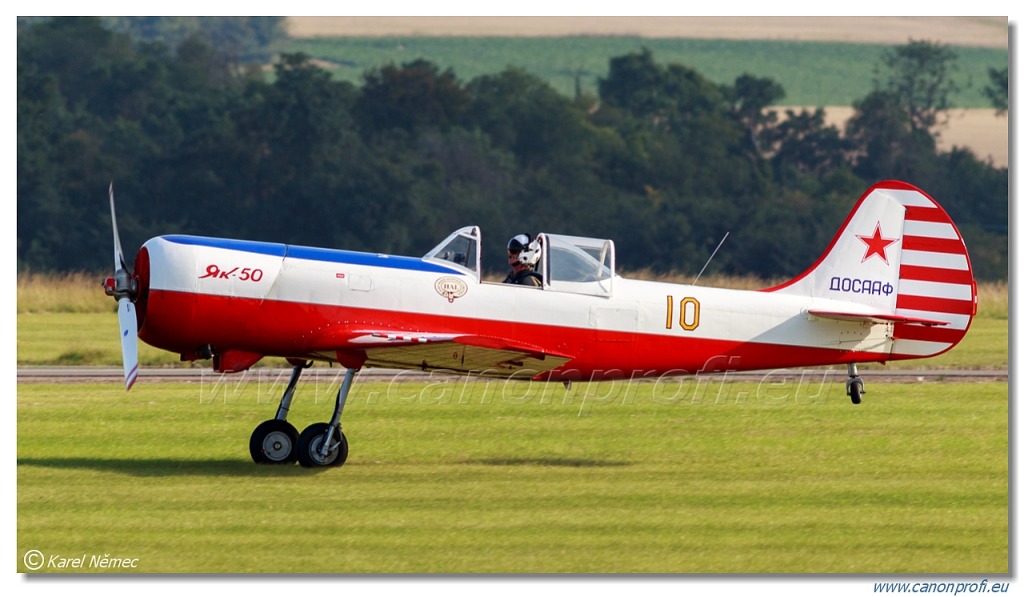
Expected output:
(876, 317)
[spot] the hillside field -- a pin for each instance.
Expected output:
(989, 32)
(835, 74)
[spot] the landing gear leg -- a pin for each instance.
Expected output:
(323, 444)
(274, 441)
(854, 385)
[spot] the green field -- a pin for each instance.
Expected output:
(483, 477)
(812, 73)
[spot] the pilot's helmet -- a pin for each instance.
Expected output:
(525, 250)
(518, 243)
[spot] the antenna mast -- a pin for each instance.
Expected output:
(713, 253)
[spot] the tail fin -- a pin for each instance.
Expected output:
(899, 258)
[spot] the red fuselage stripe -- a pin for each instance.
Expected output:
(182, 322)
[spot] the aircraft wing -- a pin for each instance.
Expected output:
(480, 355)
(875, 317)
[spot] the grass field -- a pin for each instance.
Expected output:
(479, 477)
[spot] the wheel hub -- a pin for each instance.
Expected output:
(314, 450)
(277, 446)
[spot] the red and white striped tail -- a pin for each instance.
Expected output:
(898, 257)
(935, 278)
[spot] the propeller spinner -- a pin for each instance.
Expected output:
(124, 288)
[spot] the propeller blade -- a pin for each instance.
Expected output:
(122, 288)
(129, 340)
(119, 261)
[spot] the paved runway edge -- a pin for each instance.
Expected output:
(90, 374)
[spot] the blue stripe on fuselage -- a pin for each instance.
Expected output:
(312, 253)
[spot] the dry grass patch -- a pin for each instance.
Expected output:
(75, 292)
(994, 299)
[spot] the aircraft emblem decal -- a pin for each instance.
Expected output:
(876, 244)
(451, 288)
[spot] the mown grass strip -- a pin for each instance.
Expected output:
(525, 478)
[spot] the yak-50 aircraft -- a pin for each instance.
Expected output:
(895, 283)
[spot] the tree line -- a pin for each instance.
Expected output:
(661, 159)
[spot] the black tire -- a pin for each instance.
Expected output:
(312, 438)
(274, 442)
(855, 388)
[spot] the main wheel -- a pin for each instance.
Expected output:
(312, 438)
(273, 442)
(855, 389)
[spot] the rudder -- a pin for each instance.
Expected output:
(900, 256)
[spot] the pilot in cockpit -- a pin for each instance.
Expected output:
(523, 256)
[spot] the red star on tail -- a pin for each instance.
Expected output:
(876, 244)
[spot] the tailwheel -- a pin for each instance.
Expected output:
(322, 445)
(854, 385)
(274, 442)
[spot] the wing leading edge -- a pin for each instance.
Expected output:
(478, 355)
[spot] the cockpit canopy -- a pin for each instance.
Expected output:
(461, 248)
(568, 263)
(578, 264)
